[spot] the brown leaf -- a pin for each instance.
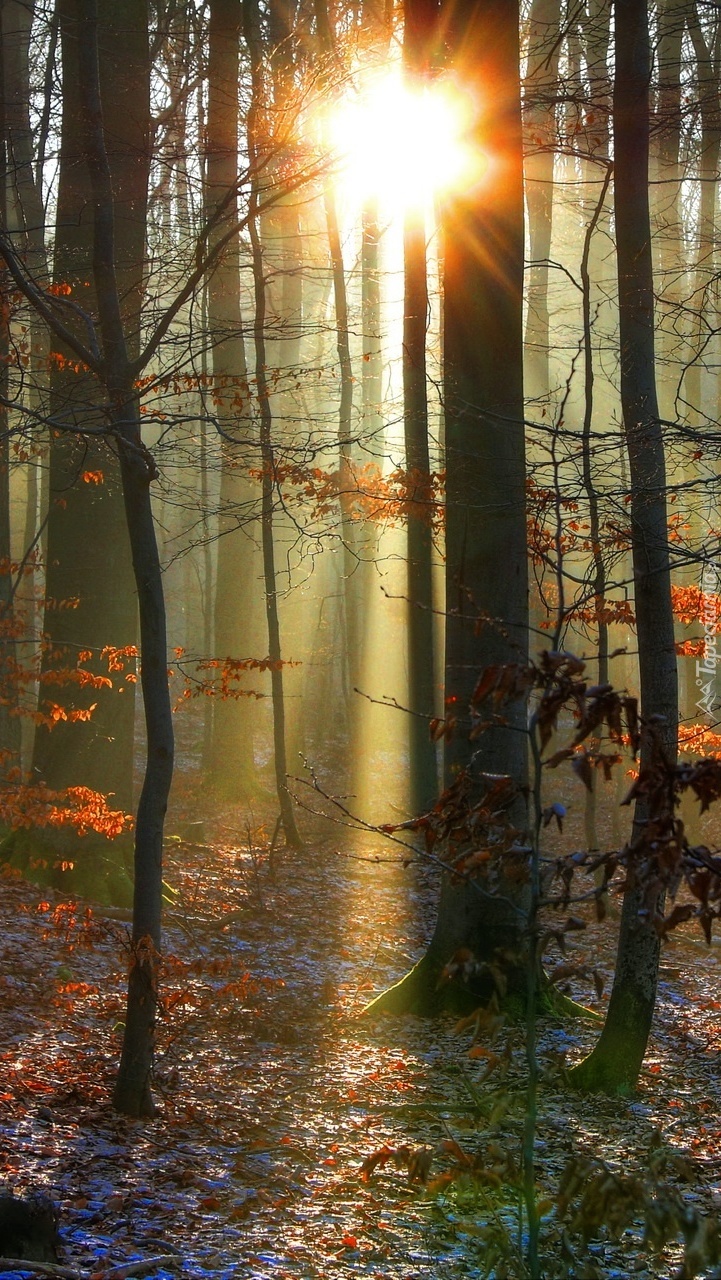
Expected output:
(580, 766)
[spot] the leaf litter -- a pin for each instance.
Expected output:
(275, 1099)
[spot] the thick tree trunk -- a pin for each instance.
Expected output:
(88, 554)
(108, 354)
(486, 544)
(614, 1064)
(483, 281)
(132, 1089)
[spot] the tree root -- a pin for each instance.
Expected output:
(419, 993)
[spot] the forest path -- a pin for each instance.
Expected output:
(273, 1092)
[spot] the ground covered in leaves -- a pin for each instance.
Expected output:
(295, 1139)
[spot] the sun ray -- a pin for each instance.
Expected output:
(401, 143)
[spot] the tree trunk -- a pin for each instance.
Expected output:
(486, 544)
(486, 532)
(614, 1064)
(132, 1094)
(666, 210)
(117, 373)
(541, 91)
(88, 554)
(269, 481)
(710, 105)
(132, 1089)
(419, 33)
(26, 218)
(231, 755)
(372, 372)
(9, 705)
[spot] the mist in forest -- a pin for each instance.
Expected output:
(294, 195)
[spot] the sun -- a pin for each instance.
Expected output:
(399, 143)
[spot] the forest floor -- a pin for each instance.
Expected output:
(272, 1092)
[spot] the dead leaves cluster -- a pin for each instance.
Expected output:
(592, 1198)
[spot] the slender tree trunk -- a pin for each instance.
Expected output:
(347, 484)
(132, 1094)
(541, 90)
(346, 474)
(286, 215)
(9, 722)
(594, 514)
(707, 72)
(231, 754)
(372, 372)
(269, 481)
(666, 210)
(26, 217)
(376, 22)
(419, 34)
(673, 281)
(614, 1064)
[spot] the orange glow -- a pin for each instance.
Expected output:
(403, 144)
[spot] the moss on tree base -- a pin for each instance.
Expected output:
(75, 865)
(419, 992)
(593, 1075)
(614, 1065)
(553, 1001)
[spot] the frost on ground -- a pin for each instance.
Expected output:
(272, 1093)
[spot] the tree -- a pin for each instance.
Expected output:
(544, 48)
(231, 763)
(614, 1064)
(90, 597)
(267, 453)
(486, 543)
(419, 38)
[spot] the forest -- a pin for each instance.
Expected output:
(360, 586)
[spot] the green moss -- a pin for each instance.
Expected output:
(613, 1066)
(554, 1002)
(419, 992)
(74, 865)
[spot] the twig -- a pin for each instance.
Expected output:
(137, 1268)
(40, 1268)
(356, 823)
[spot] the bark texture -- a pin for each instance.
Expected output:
(419, 36)
(231, 755)
(541, 91)
(116, 371)
(88, 553)
(486, 545)
(614, 1064)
